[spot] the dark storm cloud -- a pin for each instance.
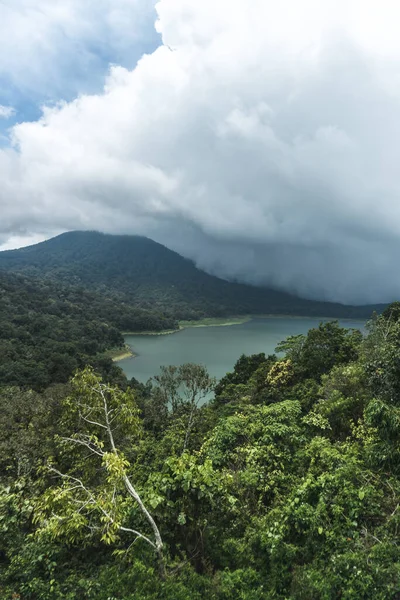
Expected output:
(260, 140)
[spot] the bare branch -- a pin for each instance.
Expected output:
(139, 535)
(90, 445)
(65, 476)
(92, 422)
(131, 490)
(366, 533)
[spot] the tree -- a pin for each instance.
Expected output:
(392, 312)
(89, 502)
(182, 389)
(196, 385)
(244, 368)
(321, 349)
(24, 413)
(167, 387)
(381, 365)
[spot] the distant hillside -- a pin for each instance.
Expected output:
(150, 276)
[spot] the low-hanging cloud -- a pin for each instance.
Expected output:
(261, 139)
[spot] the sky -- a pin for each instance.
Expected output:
(261, 139)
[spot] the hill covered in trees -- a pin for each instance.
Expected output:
(65, 302)
(286, 486)
(48, 330)
(148, 275)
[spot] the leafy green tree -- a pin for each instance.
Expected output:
(81, 505)
(380, 360)
(28, 423)
(244, 368)
(321, 349)
(343, 397)
(392, 312)
(190, 495)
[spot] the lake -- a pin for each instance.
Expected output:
(218, 348)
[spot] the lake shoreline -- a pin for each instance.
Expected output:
(208, 322)
(186, 324)
(231, 321)
(217, 349)
(167, 332)
(123, 356)
(128, 352)
(119, 354)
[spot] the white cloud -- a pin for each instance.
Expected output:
(261, 139)
(20, 241)
(6, 112)
(54, 47)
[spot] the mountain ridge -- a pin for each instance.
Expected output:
(145, 273)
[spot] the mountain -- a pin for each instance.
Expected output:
(146, 274)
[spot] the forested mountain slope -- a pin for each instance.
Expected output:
(151, 276)
(48, 330)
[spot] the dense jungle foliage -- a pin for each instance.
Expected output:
(286, 485)
(153, 277)
(48, 330)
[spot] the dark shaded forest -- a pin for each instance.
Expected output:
(48, 330)
(286, 485)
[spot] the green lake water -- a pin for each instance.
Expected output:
(218, 348)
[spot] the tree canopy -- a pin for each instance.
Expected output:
(48, 330)
(287, 485)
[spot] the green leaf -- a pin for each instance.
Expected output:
(182, 519)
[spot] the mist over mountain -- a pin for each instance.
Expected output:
(258, 140)
(148, 275)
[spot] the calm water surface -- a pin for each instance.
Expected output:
(218, 348)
